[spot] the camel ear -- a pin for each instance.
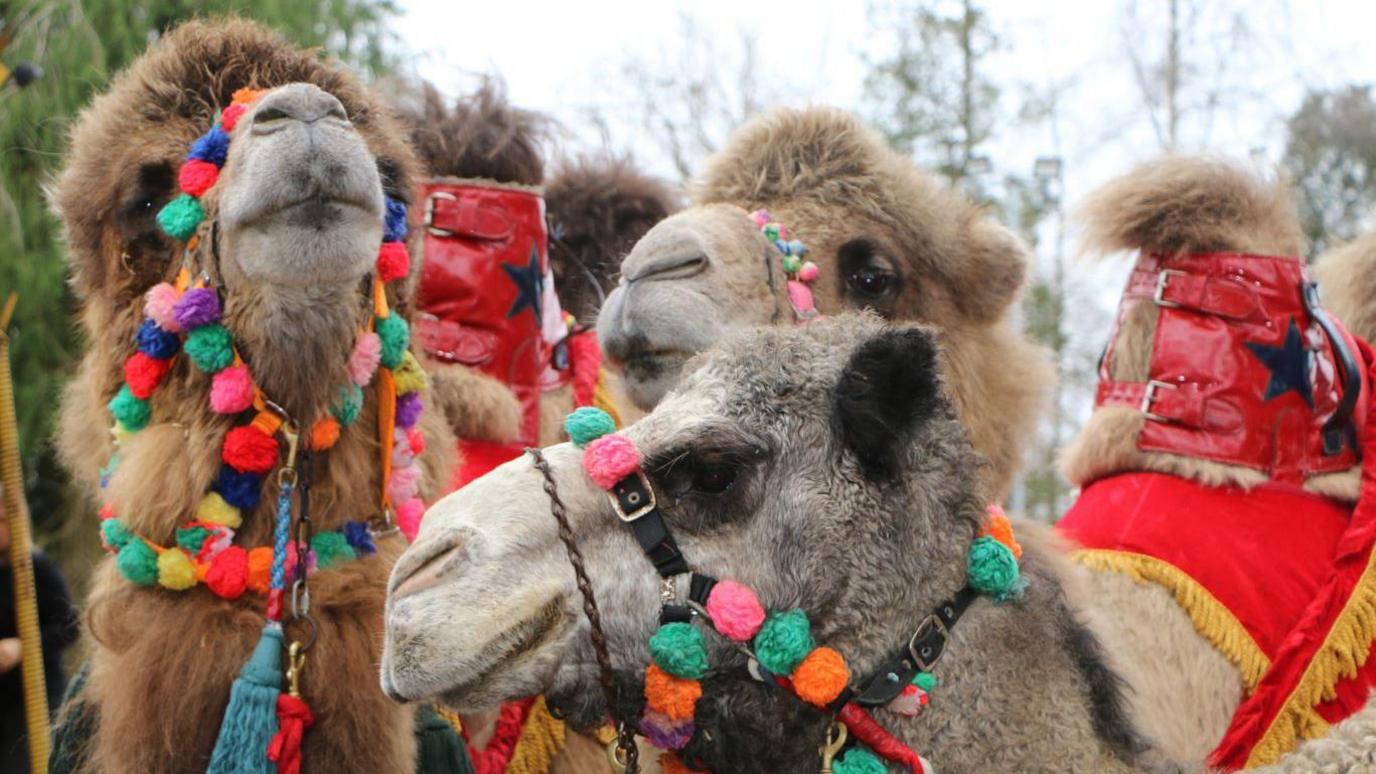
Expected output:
(993, 271)
(887, 388)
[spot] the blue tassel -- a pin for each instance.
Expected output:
(251, 718)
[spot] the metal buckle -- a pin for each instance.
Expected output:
(1162, 280)
(640, 511)
(430, 212)
(923, 665)
(1150, 395)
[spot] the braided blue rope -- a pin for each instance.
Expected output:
(281, 534)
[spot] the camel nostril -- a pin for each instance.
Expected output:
(416, 573)
(297, 102)
(669, 268)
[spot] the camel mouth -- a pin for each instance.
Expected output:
(521, 639)
(318, 210)
(650, 364)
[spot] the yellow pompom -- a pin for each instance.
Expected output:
(121, 433)
(175, 570)
(215, 510)
(409, 376)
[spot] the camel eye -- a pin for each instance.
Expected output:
(870, 277)
(714, 479)
(870, 281)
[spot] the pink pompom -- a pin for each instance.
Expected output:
(402, 456)
(799, 296)
(408, 517)
(403, 484)
(364, 359)
(735, 610)
(760, 217)
(415, 440)
(196, 177)
(231, 391)
(610, 459)
(158, 305)
(808, 272)
(229, 118)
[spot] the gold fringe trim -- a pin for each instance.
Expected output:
(602, 397)
(1212, 619)
(449, 716)
(605, 734)
(1343, 652)
(542, 737)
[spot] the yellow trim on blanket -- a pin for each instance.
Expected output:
(1212, 619)
(542, 737)
(1343, 652)
(602, 397)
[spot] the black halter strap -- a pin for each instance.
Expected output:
(634, 501)
(925, 647)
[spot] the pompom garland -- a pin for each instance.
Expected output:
(364, 359)
(143, 374)
(587, 424)
(409, 407)
(820, 677)
(197, 307)
(196, 177)
(155, 342)
(408, 517)
(249, 450)
(129, 410)
(784, 641)
(992, 570)
(181, 217)
(395, 337)
(799, 273)
(392, 262)
(859, 760)
(231, 390)
(674, 697)
(158, 307)
(210, 347)
(678, 649)
(664, 732)
(394, 224)
(735, 611)
(610, 459)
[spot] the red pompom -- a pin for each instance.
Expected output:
(230, 117)
(392, 261)
(250, 450)
(144, 374)
(415, 440)
(228, 573)
(196, 177)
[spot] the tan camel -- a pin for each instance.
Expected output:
(291, 230)
(822, 467)
(885, 235)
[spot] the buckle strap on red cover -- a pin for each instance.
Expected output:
(1157, 400)
(449, 215)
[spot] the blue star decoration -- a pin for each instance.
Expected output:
(528, 281)
(1288, 364)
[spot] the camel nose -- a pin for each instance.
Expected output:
(426, 565)
(298, 102)
(687, 261)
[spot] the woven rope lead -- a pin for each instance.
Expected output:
(625, 735)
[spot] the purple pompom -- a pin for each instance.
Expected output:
(408, 410)
(197, 307)
(664, 733)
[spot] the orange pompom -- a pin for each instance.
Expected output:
(324, 433)
(821, 677)
(246, 95)
(670, 764)
(673, 696)
(998, 527)
(260, 569)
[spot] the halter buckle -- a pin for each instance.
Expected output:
(638, 510)
(1163, 279)
(1149, 396)
(430, 212)
(925, 654)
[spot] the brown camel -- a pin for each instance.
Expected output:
(885, 235)
(1346, 277)
(821, 466)
(291, 230)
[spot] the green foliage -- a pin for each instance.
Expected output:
(79, 44)
(1330, 153)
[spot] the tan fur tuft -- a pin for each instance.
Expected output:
(1347, 279)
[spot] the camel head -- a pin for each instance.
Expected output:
(821, 466)
(884, 235)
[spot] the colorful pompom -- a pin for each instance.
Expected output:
(735, 611)
(240, 490)
(249, 450)
(364, 359)
(175, 570)
(211, 348)
(356, 532)
(409, 376)
(416, 440)
(212, 147)
(821, 677)
(130, 411)
(858, 760)
(196, 177)
(155, 342)
(760, 218)
(347, 405)
(799, 296)
(231, 391)
(773, 231)
(214, 509)
(324, 433)
(925, 680)
(993, 569)
(666, 733)
(192, 539)
(587, 424)
(403, 484)
(392, 261)
(796, 247)
(678, 648)
(143, 374)
(672, 696)
(610, 459)
(670, 764)
(409, 408)
(394, 224)
(197, 307)
(791, 264)
(158, 304)
(784, 641)
(331, 548)
(114, 534)
(408, 516)
(998, 527)
(138, 563)
(395, 337)
(180, 217)
(229, 118)
(228, 573)
(260, 569)
(808, 272)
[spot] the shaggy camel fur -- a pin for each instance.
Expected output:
(1347, 279)
(162, 662)
(885, 235)
(850, 492)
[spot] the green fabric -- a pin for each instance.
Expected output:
(439, 748)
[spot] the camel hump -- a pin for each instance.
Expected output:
(1347, 278)
(1193, 204)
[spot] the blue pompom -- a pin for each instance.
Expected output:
(240, 490)
(394, 227)
(156, 342)
(356, 532)
(213, 147)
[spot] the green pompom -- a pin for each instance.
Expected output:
(678, 649)
(180, 217)
(331, 548)
(138, 562)
(587, 424)
(129, 411)
(859, 760)
(792, 264)
(771, 231)
(925, 680)
(395, 336)
(784, 641)
(192, 538)
(210, 347)
(348, 404)
(116, 535)
(993, 569)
